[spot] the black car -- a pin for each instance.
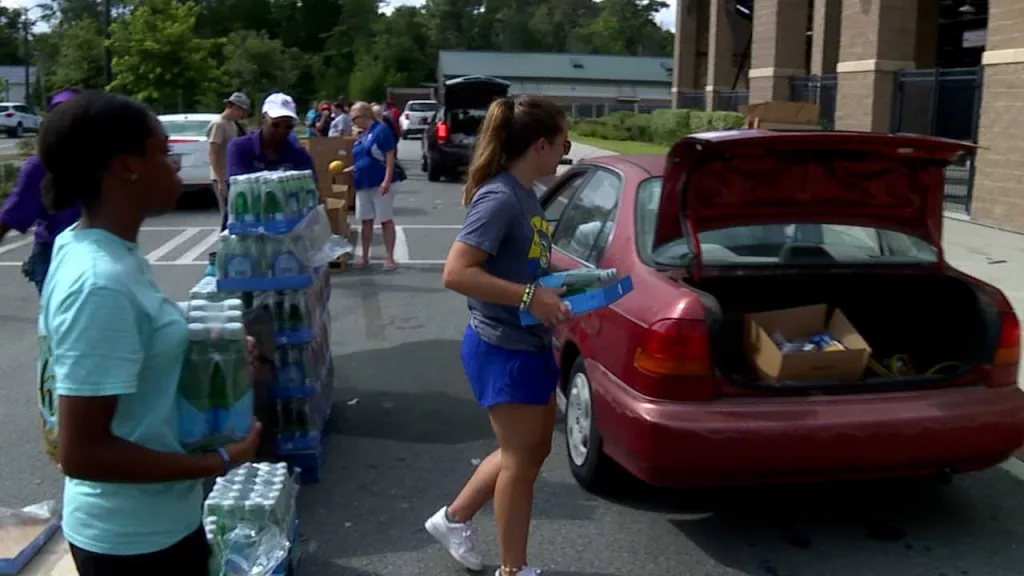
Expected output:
(451, 134)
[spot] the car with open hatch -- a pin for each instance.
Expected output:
(450, 136)
(740, 223)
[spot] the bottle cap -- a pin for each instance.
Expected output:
(231, 317)
(234, 331)
(198, 305)
(233, 304)
(198, 332)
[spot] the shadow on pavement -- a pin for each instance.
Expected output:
(795, 530)
(400, 448)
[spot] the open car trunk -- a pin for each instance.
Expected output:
(466, 100)
(937, 322)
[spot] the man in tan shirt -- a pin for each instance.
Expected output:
(219, 133)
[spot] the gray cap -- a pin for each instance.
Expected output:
(240, 100)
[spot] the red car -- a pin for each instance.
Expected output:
(748, 221)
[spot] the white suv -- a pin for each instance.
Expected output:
(16, 119)
(416, 116)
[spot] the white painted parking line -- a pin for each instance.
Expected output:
(15, 245)
(401, 245)
(171, 244)
(198, 250)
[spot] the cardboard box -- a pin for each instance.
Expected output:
(323, 151)
(781, 116)
(337, 214)
(796, 324)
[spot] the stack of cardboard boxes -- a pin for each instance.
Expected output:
(336, 190)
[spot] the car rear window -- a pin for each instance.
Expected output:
(421, 107)
(186, 128)
(776, 244)
(5, 108)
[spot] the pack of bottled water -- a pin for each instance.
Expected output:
(215, 396)
(250, 519)
(272, 202)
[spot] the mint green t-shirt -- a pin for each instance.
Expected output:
(106, 329)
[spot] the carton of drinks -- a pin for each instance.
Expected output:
(270, 202)
(586, 290)
(215, 396)
(262, 263)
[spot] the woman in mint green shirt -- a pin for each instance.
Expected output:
(112, 346)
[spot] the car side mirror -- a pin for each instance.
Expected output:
(565, 161)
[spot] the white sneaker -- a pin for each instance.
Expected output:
(457, 539)
(525, 571)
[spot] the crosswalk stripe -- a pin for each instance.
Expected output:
(171, 244)
(15, 245)
(199, 249)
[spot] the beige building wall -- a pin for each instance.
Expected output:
(998, 196)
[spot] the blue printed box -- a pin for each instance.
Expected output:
(589, 301)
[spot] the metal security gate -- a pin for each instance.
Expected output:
(945, 103)
(820, 90)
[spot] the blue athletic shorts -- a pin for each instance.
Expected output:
(505, 376)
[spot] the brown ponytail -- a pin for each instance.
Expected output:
(510, 128)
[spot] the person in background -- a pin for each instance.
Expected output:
(311, 115)
(272, 146)
(375, 178)
(385, 118)
(342, 123)
(504, 247)
(219, 134)
(24, 208)
(112, 346)
(389, 108)
(322, 124)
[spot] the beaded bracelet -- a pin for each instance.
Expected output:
(524, 302)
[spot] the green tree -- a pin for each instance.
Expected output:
(157, 58)
(79, 58)
(628, 27)
(257, 65)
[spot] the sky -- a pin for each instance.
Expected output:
(666, 18)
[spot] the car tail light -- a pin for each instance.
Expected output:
(1004, 364)
(179, 141)
(9, 114)
(675, 358)
(407, 115)
(442, 132)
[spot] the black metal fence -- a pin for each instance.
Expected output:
(731, 100)
(944, 103)
(820, 90)
(693, 100)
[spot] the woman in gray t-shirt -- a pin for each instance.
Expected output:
(503, 248)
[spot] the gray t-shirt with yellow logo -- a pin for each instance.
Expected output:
(505, 219)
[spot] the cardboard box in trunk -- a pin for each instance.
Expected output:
(796, 324)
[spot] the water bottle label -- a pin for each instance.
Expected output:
(239, 417)
(294, 203)
(290, 376)
(287, 265)
(240, 267)
(193, 425)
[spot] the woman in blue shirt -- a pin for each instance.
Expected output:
(111, 350)
(376, 171)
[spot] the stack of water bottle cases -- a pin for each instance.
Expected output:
(262, 262)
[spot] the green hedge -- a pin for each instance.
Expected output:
(662, 127)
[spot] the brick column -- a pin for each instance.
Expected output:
(779, 47)
(721, 69)
(684, 59)
(998, 198)
(876, 40)
(825, 36)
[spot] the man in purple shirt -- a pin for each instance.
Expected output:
(273, 146)
(24, 207)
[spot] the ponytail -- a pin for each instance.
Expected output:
(489, 155)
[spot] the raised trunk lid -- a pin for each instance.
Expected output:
(474, 92)
(721, 180)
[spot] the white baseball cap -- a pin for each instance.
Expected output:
(280, 105)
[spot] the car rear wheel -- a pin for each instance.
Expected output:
(433, 170)
(582, 438)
